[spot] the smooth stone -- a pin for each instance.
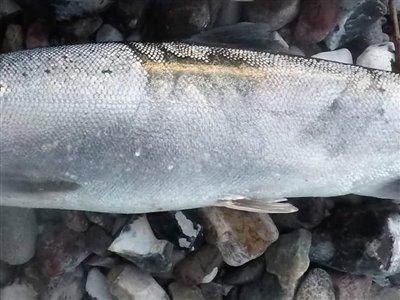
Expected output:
(81, 29)
(198, 264)
(137, 243)
(8, 8)
(383, 293)
(13, 38)
(341, 55)
(108, 262)
(274, 13)
(59, 250)
(18, 290)
(317, 284)
(75, 220)
(129, 282)
(288, 258)
(98, 240)
(97, 286)
(212, 291)
(17, 235)
(6, 272)
(267, 286)
(354, 17)
(351, 287)
(37, 35)
(179, 291)
(240, 236)
(102, 219)
(246, 273)
(69, 9)
(108, 33)
(379, 56)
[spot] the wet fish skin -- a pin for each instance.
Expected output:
(134, 128)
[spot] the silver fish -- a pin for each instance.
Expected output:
(132, 128)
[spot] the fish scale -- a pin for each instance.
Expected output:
(140, 127)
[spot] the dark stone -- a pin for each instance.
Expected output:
(98, 240)
(107, 262)
(13, 38)
(75, 220)
(317, 284)
(68, 286)
(8, 8)
(81, 30)
(131, 12)
(6, 273)
(268, 284)
(246, 273)
(69, 9)
(350, 287)
(212, 291)
(102, 219)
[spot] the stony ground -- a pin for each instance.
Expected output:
(345, 248)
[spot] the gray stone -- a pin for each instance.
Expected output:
(177, 256)
(246, 273)
(6, 272)
(13, 38)
(268, 284)
(81, 29)
(212, 291)
(97, 286)
(108, 262)
(351, 287)
(129, 282)
(383, 293)
(75, 220)
(179, 291)
(288, 258)
(108, 33)
(316, 285)
(37, 35)
(341, 55)
(98, 240)
(102, 219)
(132, 13)
(68, 9)
(374, 33)
(240, 236)
(8, 8)
(379, 56)
(17, 235)
(19, 290)
(229, 14)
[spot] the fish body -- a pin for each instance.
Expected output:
(131, 128)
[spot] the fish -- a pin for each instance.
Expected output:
(146, 127)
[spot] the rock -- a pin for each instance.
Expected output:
(80, 30)
(97, 286)
(197, 265)
(137, 243)
(212, 291)
(108, 262)
(360, 240)
(8, 8)
(37, 35)
(129, 282)
(69, 9)
(274, 13)
(98, 240)
(45, 215)
(134, 36)
(240, 236)
(288, 258)
(177, 256)
(317, 284)
(75, 220)
(59, 250)
(311, 210)
(395, 280)
(354, 17)
(383, 293)
(342, 55)
(13, 38)
(132, 13)
(233, 294)
(229, 14)
(374, 34)
(108, 33)
(379, 56)
(18, 290)
(268, 284)
(102, 219)
(351, 287)
(247, 273)
(6, 272)
(181, 228)
(17, 235)
(179, 291)
(316, 19)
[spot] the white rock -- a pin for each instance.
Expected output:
(108, 33)
(97, 286)
(341, 55)
(18, 291)
(378, 56)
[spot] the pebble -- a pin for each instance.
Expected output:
(129, 282)
(268, 284)
(274, 13)
(108, 262)
(177, 256)
(17, 235)
(374, 34)
(59, 250)
(108, 33)
(212, 291)
(69, 9)
(137, 243)
(97, 286)
(383, 293)
(342, 56)
(75, 220)
(8, 8)
(6, 272)
(179, 291)
(81, 30)
(240, 236)
(288, 258)
(351, 287)
(354, 17)
(13, 38)
(181, 228)
(98, 240)
(19, 290)
(380, 56)
(229, 14)
(197, 265)
(316, 19)
(37, 35)
(131, 13)
(102, 219)
(247, 273)
(316, 285)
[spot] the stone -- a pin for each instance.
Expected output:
(179, 291)
(176, 257)
(240, 236)
(81, 29)
(108, 262)
(379, 56)
(374, 34)
(181, 228)
(132, 13)
(69, 9)
(37, 35)
(316, 19)
(6, 272)
(212, 291)
(18, 290)
(233, 294)
(316, 285)
(274, 13)
(395, 280)
(351, 287)
(197, 265)
(360, 240)
(354, 16)
(129, 282)
(268, 284)
(75, 220)
(383, 293)
(137, 243)
(229, 14)
(17, 235)
(288, 258)
(102, 219)
(13, 38)
(97, 285)
(8, 8)
(98, 240)
(341, 55)
(108, 33)
(246, 273)
(59, 250)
